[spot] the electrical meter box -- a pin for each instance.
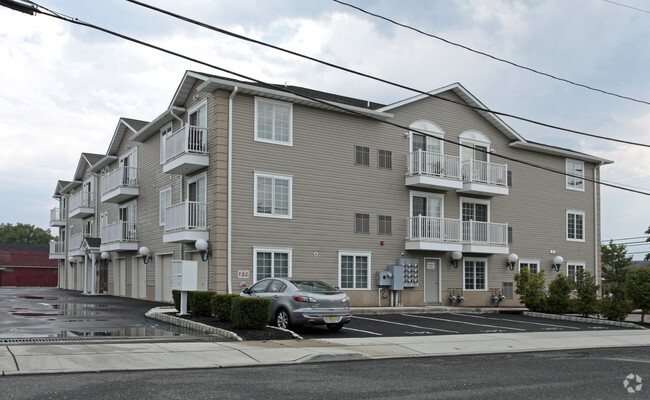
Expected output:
(384, 278)
(411, 271)
(398, 277)
(185, 275)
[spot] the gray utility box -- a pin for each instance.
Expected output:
(384, 278)
(411, 271)
(398, 277)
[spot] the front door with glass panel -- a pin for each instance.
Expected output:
(198, 122)
(128, 219)
(475, 218)
(429, 209)
(196, 195)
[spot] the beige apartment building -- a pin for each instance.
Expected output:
(400, 204)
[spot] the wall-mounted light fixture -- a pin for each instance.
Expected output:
(202, 246)
(512, 261)
(71, 260)
(105, 258)
(146, 254)
(557, 262)
(455, 257)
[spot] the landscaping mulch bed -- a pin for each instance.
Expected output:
(266, 333)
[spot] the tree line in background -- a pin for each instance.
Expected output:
(24, 233)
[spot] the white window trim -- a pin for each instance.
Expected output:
(273, 250)
(418, 128)
(169, 126)
(353, 253)
(192, 110)
(539, 265)
(473, 138)
(414, 193)
(486, 273)
(576, 263)
(475, 201)
(127, 205)
(283, 103)
(257, 175)
(160, 211)
(582, 187)
(566, 225)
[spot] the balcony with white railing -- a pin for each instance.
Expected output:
(82, 205)
(74, 243)
(120, 185)
(445, 234)
(57, 217)
(484, 178)
(430, 170)
(186, 150)
(119, 236)
(186, 222)
(57, 250)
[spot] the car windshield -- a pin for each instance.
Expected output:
(313, 286)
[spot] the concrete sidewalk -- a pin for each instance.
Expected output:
(99, 357)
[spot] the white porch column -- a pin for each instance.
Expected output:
(93, 274)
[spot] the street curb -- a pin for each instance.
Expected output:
(573, 318)
(163, 314)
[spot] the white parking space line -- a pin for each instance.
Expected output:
(518, 322)
(463, 322)
(362, 331)
(409, 325)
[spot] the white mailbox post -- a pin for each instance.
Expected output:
(184, 278)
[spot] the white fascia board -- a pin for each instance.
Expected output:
(186, 85)
(70, 186)
(154, 126)
(213, 84)
(540, 148)
(103, 162)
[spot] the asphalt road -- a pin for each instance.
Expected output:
(579, 374)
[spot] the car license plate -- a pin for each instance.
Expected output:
(332, 320)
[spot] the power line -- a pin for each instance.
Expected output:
(626, 6)
(401, 86)
(76, 21)
(491, 56)
(618, 240)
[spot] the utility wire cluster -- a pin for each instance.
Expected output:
(36, 8)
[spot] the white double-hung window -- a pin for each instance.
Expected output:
(273, 122)
(575, 226)
(572, 269)
(575, 174)
(354, 270)
(272, 195)
(270, 263)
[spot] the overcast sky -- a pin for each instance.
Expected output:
(63, 87)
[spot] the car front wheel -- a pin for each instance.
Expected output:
(282, 319)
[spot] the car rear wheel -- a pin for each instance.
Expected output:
(334, 327)
(282, 319)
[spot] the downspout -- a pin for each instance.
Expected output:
(229, 233)
(596, 222)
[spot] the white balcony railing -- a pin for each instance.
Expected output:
(81, 199)
(57, 247)
(75, 241)
(454, 230)
(186, 215)
(122, 231)
(487, 233)
(485, 172)
(435, 229)
(428, 163)
(122, 176)
(57, 214)
(189, 139)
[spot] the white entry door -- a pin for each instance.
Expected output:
(431, 280)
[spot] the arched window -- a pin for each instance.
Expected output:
(479, 146)
(425, 136)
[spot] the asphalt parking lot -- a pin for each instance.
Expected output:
(405, 324)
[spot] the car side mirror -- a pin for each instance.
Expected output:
(246, 291)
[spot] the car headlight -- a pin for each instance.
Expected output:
(346, 299)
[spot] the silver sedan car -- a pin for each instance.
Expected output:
(303, 302)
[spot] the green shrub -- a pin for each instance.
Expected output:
(530, 288)
(221, 305)
(559, 292)
(176, 296)
(587, 292)
(199, 303)
(637, 288)
(614, 308)
(250, 313)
